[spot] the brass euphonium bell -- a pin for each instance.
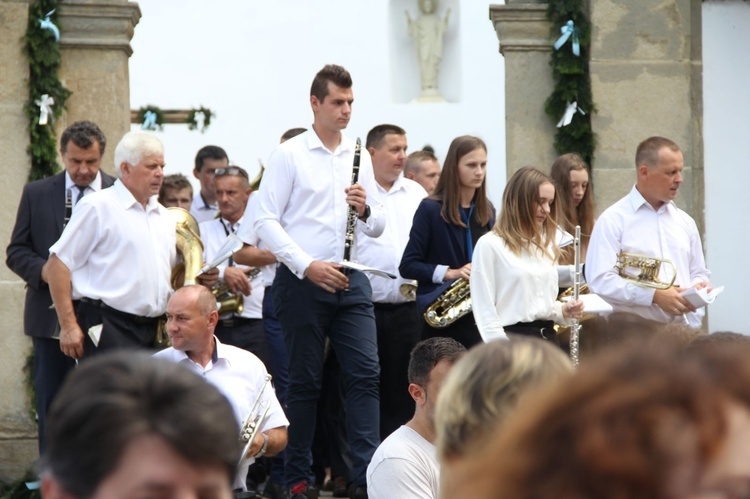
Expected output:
(190, 248)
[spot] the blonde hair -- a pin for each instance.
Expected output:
(485, 386)
(517, 221)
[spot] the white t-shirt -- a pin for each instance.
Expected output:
(405, 466)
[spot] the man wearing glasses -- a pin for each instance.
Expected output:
(241, 328)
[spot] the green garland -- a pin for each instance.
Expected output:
(572, 80)
(158, 123)
(193, 123)
(43, 52)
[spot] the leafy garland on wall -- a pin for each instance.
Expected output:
(42, 48)
(571, 97)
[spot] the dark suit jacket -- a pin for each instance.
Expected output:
(39, 223)
(433, 242)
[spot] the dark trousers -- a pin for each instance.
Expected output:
(278, 366)
(399, 328)
(247, 334)
(120, 329)
(464, 331)
(50, 368)
(308, 314)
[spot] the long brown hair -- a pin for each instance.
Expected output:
(570, 215)
(448, 189)
(517, 221)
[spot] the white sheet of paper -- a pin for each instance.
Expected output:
(595, 304)
(95, 333)
(363, 268)
(701, 297)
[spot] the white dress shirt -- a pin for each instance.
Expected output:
(384, 252)
(507, 288)
(303, 209)
(247, 235)
(632, 225)
(213, 235)
(201, 210)
(239, 376)
(119, 252)
(72, 190)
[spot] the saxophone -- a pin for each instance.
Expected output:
(450, 305)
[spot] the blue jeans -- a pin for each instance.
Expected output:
(308, 314)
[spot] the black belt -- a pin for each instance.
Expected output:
(538, 329)
(236, 321)
(137, 319)
(392, 306)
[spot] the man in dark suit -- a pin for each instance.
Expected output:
(45, 207)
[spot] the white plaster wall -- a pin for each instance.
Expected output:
(253, 62)
(726, 132)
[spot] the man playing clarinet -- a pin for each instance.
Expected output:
(302, 217)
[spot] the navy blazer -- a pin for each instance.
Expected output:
(433, 242)
(39, 224)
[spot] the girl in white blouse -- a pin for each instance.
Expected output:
(514, 280)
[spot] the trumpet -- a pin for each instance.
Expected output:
(254, 421)
(644, 270)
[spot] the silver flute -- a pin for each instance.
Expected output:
(575, 327)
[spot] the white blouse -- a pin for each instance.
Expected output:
(507, 288)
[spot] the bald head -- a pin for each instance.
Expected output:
(198, 296)
(191, 321)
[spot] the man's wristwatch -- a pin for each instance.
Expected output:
(263, 449)
(366, 214)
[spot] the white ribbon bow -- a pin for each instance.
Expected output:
(46, 23)
(570, 111)
(45, 108)
(200, 120)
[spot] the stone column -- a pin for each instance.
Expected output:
(646, 79)
(95, 43)
(17, 430)
(523, 31)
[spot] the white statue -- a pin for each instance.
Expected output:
(427, 33)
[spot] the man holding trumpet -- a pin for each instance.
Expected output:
(237, 373)
(647, 223)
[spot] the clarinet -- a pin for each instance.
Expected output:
(68, 208)
(351, 213)
(575, 328)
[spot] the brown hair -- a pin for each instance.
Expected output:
(333, 73)
(648, 151)
(448, 189)
(570, 215)
(633, 423)
(517, 221)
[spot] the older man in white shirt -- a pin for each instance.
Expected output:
(399, 325)
(647, 222)
(117, 253)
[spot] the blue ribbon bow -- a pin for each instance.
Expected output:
(567, 31)
(149, 121)
(46, 23)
